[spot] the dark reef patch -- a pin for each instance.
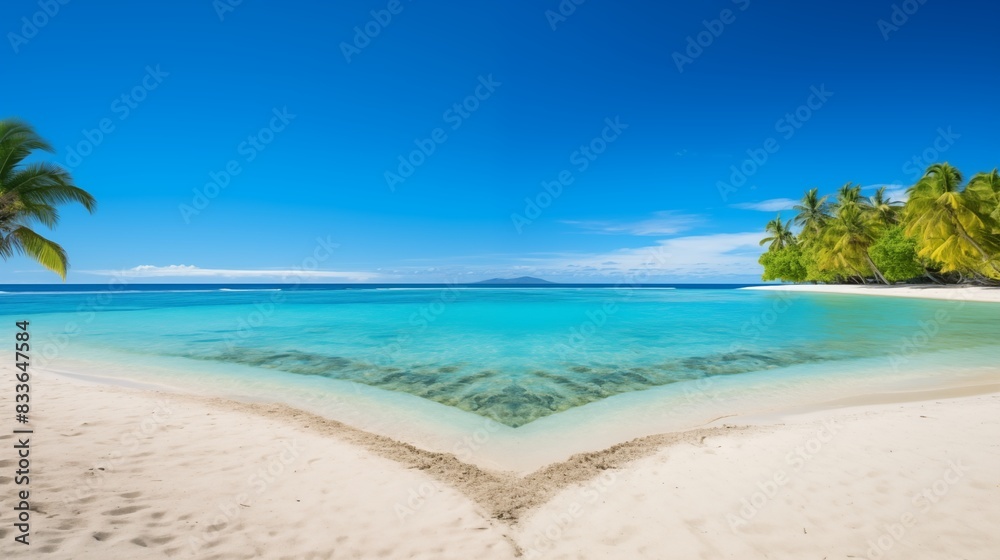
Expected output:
(517, 399)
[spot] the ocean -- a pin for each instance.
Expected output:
(447, 359)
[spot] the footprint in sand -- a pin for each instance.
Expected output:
(100, 536)
(131, 495)
(125, 510)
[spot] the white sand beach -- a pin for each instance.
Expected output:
(927, 291)
(121, 472)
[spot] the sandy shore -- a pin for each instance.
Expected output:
(928, 291)
(129, 473)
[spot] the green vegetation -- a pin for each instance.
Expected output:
(29, 194)
(895, 255)
(947, 232)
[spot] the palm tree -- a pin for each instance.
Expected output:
(850, 195)
(812, 213)
(781, 235)
(29, 194)
(883, 208)
(949, 222)
(986, 187)
(848, 237)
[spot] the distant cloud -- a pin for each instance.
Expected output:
(191, 271)
(893, 191)
(694, 256)
(772, 205)
(697, 258)
(722, 257)
(662, 223)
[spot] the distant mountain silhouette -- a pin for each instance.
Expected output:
(515, 281)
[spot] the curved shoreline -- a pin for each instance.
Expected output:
(924, 291)
(590, 428)
(507, 495)
(139, 473)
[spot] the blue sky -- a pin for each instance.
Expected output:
(242, 142)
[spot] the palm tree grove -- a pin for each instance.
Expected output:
(29, 195)
(948, 231)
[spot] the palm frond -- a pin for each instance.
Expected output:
(46, 252)
(17, 140)
(30, 194)
(45, 183)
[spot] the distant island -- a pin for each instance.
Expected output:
(515, 281)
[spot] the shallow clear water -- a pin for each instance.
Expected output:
(511, 355)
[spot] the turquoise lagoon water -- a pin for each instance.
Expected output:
(512, 355)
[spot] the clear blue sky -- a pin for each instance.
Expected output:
(198, 85)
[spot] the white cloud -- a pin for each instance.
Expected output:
(722, 257)
(772, 205)
(712, 257)
(191, 271)
(893, 191)
(715, 255)
(662, 223)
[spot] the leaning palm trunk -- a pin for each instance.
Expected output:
(878, 273)
(932, 278)
(968, 239)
